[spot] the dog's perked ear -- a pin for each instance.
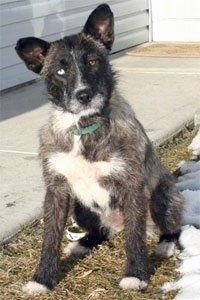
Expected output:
(100, 25)
(32, 51)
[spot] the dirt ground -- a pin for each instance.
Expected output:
(167, 49)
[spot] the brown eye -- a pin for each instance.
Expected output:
(92, 62)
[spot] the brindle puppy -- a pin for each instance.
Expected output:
(96, 154)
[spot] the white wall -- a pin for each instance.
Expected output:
(176, 20)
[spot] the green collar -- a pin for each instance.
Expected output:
(93, 127)
(86, 130)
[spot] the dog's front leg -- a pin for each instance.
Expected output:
(56, 207)
(135, 213)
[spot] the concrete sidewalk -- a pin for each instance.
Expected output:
(165, 93)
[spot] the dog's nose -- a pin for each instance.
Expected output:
(84, 96)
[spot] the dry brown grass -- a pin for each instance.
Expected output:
(176, 149)
(97, 275)
(167, 49)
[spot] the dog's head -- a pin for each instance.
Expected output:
(76, 69)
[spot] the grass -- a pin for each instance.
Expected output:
(97, 275)
(176, 149)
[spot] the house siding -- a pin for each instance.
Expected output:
(54, 19)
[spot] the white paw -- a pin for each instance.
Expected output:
(166, 249)
(74, 248)
(34, 288)
(132, 283)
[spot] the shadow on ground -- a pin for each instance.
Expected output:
(21, 100)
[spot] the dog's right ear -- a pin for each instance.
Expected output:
(32, 51)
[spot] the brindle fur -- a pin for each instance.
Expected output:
(144, 181)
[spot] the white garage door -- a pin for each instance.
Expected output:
(176, 20)
(52, 19)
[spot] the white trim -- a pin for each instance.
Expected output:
(18, 152)
(157, 71)
(150, 22)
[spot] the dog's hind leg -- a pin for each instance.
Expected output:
(166, 209)
(89, 221)
(56, 208)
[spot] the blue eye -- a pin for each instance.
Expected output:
(61, 72)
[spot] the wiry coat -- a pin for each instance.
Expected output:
(110, 174)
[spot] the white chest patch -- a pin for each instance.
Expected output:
(62, 121)
(84, 175)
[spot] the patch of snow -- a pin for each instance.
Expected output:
(191, 184)
(190, 264)
(190, 241)
(190, 175)
(186, 281)
(188, 285)
(189, 268)
(189, 166)
(194, 147)
(191, 213)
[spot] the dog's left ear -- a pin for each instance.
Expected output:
(100, 25)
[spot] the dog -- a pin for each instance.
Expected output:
(96, 157)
